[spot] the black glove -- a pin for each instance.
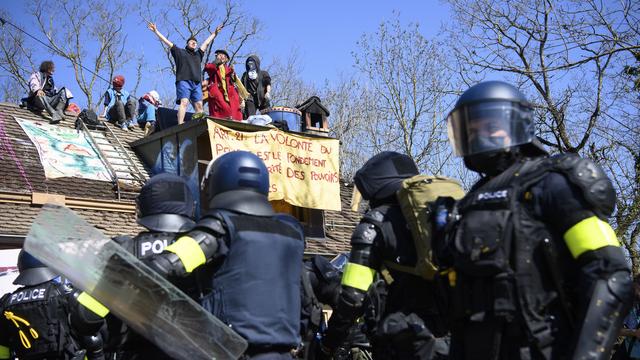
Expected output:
(160, 265)
(323, 352)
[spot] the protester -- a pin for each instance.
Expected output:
(43, 94)
(188, 63)
(147, 106)
(258, 85)
(224, 98)
(119, 105)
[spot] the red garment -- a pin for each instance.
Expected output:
(218, 106)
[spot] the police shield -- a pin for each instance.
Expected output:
(136, 294)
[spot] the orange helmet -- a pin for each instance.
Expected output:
(118, 81)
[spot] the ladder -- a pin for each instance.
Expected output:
(126, 176)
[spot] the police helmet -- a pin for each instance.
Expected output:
(381, 176)
(489, 118)
(166, 204)
(238, 181)
(32, 270)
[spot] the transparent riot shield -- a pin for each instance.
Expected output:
(132, 291)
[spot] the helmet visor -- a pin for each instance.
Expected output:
(489, 126)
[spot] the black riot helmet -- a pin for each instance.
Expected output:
(32, 270)
(490, 124)
(381, 176)
(238, 181)
(166, 204)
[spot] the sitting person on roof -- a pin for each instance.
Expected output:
(147, 106)
(119, 106)
(43, 94)
(225, 89)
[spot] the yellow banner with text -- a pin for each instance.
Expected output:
(303, 171)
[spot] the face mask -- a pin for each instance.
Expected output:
(253, 74)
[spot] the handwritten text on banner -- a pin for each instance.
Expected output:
(304, 171)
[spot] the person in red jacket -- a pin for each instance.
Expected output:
(226, 92)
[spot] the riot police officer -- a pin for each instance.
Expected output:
(321, 286)
(247, 257)
(47, 318)
(408, 312)
(166, 208)
(538, 271)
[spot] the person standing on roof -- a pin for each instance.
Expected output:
(258, 84)
(119, 105)
(188, 70)
(226, 91)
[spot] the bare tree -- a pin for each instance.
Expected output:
(77, 31)
(569, 57)
(560, 51)
(185, 18)
(406, 74)
(16, 62)
(288, 87)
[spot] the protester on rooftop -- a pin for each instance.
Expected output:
(258, 85)
(188, 70)
(119, 105)
(226, 92)
(147, 106)
(43, 94)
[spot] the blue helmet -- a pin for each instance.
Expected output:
(236, 180)
(32, 270)
(166, 204)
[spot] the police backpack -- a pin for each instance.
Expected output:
(416, 197)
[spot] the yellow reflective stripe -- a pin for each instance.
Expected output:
(92, 304)
(589, 234)
(358, 276)
(189, 252)
(4, 352)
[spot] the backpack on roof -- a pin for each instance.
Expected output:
(89, 118)
(416, 197)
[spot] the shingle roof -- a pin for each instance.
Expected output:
(339, 226)
(21, 168)
(109, 222)
(21, 173)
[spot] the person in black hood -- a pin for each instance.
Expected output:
(258, 84)
(406, 319)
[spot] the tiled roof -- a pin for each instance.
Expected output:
(21, 168)
(111, 223)
(339, 226)
(21, 172)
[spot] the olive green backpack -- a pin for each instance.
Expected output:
(415, 197)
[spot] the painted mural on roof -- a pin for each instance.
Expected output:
(64, 152)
